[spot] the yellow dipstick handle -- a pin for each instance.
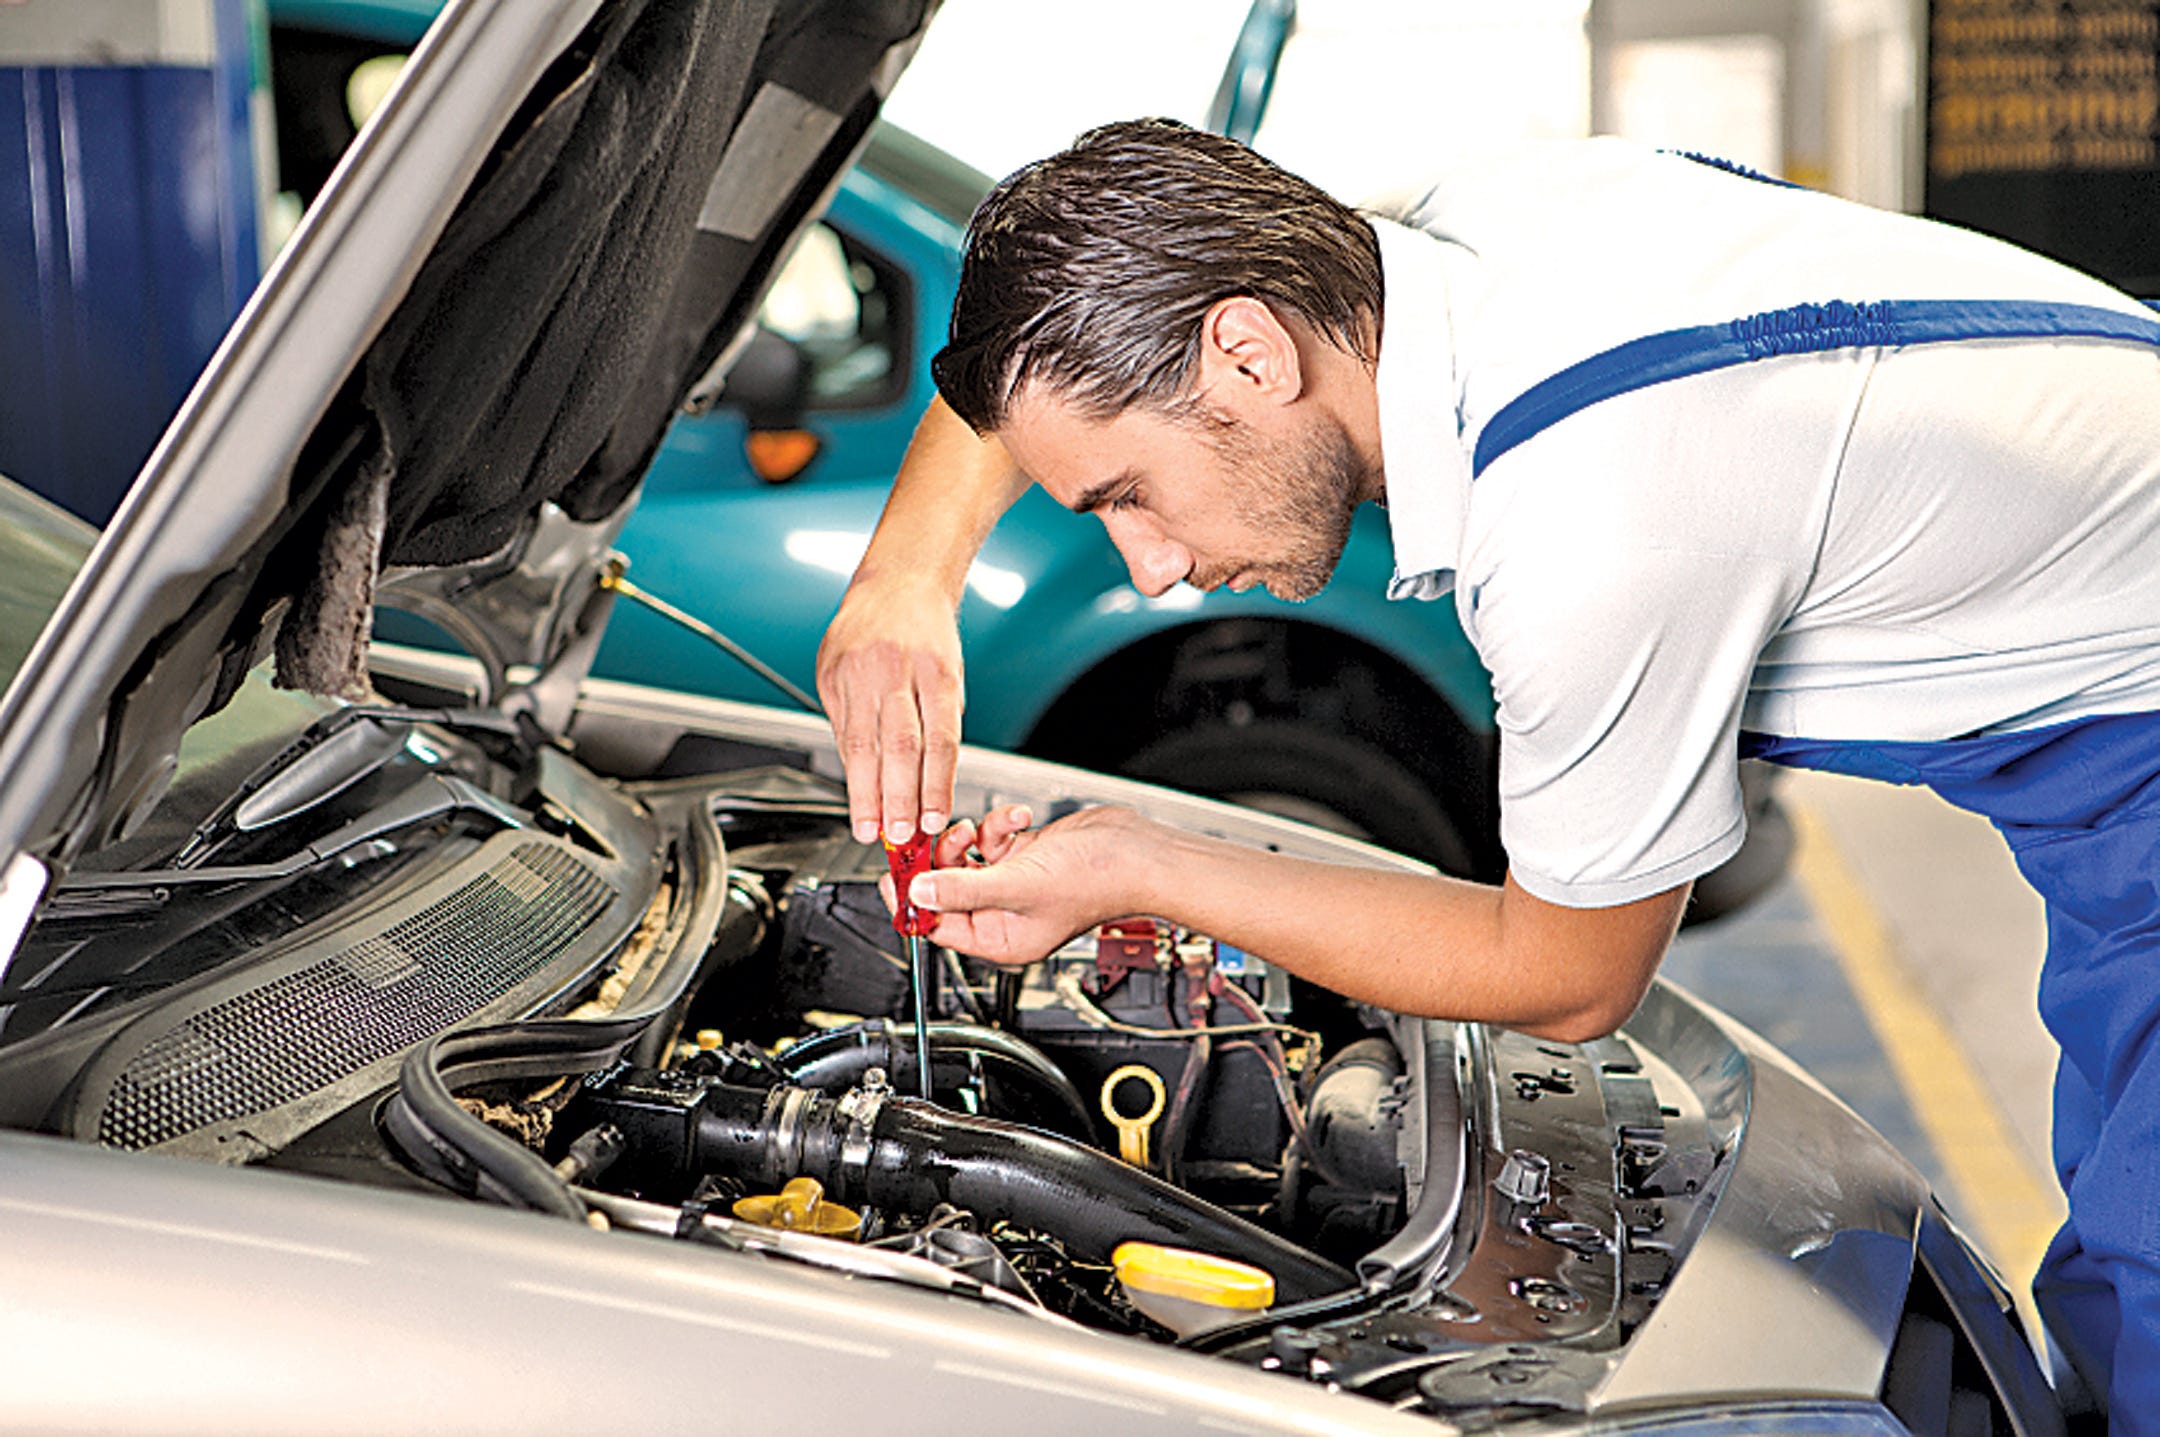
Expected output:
(1133, 1131)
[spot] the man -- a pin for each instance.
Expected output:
(1711, 466)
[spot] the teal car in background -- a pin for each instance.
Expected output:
(1368, 717)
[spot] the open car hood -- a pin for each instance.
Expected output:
(452, 379)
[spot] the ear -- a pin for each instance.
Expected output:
(1246, 352)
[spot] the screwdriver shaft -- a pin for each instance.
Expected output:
(922, 980)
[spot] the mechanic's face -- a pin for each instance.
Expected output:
(1212, 504)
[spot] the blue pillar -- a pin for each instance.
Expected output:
(129, 230)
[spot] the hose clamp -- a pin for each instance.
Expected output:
(784, 1114)
(858, 1110)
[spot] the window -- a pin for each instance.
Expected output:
(846, 311)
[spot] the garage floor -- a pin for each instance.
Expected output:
(1897, 963)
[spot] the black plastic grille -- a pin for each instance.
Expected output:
(299, 1033)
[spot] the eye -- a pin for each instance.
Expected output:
(1125, 499)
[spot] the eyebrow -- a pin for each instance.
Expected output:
(1098, 494)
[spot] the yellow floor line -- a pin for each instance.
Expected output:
(2006, 1206)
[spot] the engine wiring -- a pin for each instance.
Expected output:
(1070, 993)
(1293, 1106)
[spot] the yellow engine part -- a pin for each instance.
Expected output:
(1132, 1129)
(800, 1207)
(1186, 1291)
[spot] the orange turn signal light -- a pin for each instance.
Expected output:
(778, 455)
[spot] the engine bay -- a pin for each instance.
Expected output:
(645, 982)
(1149, 1133)
(1144, 1095)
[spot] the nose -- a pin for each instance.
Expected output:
(1155, 560)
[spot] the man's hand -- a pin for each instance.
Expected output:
(889, 675)
(889, 669)
(1012, 895)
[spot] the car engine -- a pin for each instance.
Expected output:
(1144, 1086)
(643, 980)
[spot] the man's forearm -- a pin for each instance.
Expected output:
(1435, 946)
(889, 669)
(952, 488)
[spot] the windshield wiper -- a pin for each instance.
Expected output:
(436, 795)
(334, 754)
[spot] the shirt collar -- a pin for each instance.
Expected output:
(1428, 471)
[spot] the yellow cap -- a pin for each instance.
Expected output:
(1146, 1267)
(800, 1207)
(708, 1039)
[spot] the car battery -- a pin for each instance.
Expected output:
(1130, 970)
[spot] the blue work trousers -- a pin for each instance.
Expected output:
(2079, 804)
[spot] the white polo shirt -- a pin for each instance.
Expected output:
(1891, 544)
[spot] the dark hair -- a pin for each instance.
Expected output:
(1091, 271)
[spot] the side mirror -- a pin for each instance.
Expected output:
(770, 382)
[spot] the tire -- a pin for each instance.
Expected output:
(1332, 780)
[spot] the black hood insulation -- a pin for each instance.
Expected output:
(574, 297)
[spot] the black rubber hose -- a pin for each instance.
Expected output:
(916, 1156)
(838, 1059)
(1350, 1129)
(450, 1146)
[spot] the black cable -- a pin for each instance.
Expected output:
(1005, 1000)
(960, 985)
(1271, 1053)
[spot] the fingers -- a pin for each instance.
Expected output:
(852, 691)
(985, 933)
(879, 728)
(858, 754)
(961, 890)
(955, 848)
(1023, 887)
(953, 844)
(1000, 828)
(895, 711)
(964, 845)
(899, 764)
(992, 935)
(938, 707)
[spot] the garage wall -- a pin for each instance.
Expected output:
(128, 237)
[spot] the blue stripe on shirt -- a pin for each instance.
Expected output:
(1799, 329)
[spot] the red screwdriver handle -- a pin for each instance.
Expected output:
(906, 860)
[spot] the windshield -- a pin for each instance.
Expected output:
(41, 547)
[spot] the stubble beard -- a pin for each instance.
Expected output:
(1308, 496)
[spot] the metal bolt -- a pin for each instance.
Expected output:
(1294, 1348)
(1525, 1178)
